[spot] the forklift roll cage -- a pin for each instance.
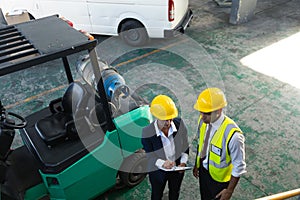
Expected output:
(21, 47)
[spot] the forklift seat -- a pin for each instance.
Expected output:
(68, 116)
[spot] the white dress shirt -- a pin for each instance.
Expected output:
(168, 145)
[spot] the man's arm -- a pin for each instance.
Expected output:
(195, 169)
(237, 153)
(226, 194)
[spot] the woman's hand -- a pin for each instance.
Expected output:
(168, 164)
(181, 165)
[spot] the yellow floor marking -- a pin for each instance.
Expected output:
(150, 53)
(35, 96)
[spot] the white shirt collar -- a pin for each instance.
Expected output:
(160, 133)
(215, 125)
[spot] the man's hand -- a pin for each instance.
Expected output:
(225, 194)
(168, 164)
(196, 172)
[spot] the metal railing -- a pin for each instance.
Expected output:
(283, 195)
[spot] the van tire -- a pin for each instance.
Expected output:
(133, 169)
(133, 33)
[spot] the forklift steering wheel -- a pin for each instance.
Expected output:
(10, 123)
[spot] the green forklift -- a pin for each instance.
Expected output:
(82, 143)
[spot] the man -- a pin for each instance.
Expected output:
(166, 144)
(220, 159)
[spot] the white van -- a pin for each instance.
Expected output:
(139, 20)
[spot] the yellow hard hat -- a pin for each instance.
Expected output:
(211, 99)
(162, 107)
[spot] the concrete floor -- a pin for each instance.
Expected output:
(263, 103)
(213, 52)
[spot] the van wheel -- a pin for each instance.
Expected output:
(133, 33)
(133, 169)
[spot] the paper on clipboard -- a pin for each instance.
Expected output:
(175, 168)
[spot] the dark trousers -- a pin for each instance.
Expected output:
(209, 188)
(158, 180)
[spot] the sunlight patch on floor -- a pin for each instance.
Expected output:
(280, 60)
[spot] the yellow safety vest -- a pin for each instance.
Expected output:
(219, 166)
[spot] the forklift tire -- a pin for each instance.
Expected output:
(133, 169)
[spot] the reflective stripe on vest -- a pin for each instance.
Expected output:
(201, 133)
(220, 166)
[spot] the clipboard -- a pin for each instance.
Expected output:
(175, 168)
